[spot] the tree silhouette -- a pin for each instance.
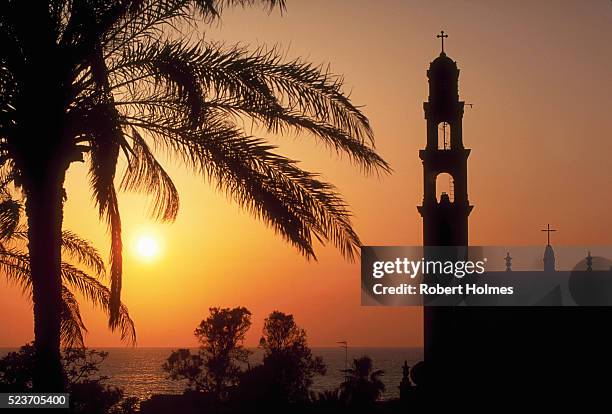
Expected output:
(103, 79)
(216, 366)
(84, 278)
(362, 385)
(288, 360)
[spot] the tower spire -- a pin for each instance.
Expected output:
(548, 230)
(442, 36)
(549, 253)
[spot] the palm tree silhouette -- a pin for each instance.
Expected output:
(362, 385)
(85, 278)
(98, 80)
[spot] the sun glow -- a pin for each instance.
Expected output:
(147, 247)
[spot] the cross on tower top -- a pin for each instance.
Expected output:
(548, 230)
(442, 36)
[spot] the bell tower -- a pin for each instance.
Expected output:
(445, 214)
(481, 355)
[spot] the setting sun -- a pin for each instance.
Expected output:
(147, 247)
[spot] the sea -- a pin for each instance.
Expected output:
(139, 370)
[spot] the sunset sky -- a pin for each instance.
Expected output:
(539, 76)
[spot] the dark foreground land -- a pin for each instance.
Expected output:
(194, 404)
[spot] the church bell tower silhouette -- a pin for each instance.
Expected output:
(479, 356)
(445, 214)
(445, 218)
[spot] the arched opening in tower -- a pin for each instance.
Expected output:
(445, 185)
(444, 136)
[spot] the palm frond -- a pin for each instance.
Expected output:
(105, 143)
(214, 8)
(195, 79)
(100, 296)
(72, 326)
(15, 265)
(144, 173)
(172, 65)
(83, 252)
(186, 95)
(295, 203)
(115, 24)
(279, 120)
(10, 213)
(76, 248)
(144, 20)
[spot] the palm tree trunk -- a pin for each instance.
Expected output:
(41, 166)
(44, 208)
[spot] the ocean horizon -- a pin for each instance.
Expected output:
(138, 371)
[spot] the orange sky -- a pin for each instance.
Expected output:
(540, 132)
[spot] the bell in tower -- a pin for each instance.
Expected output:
(445, 214)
